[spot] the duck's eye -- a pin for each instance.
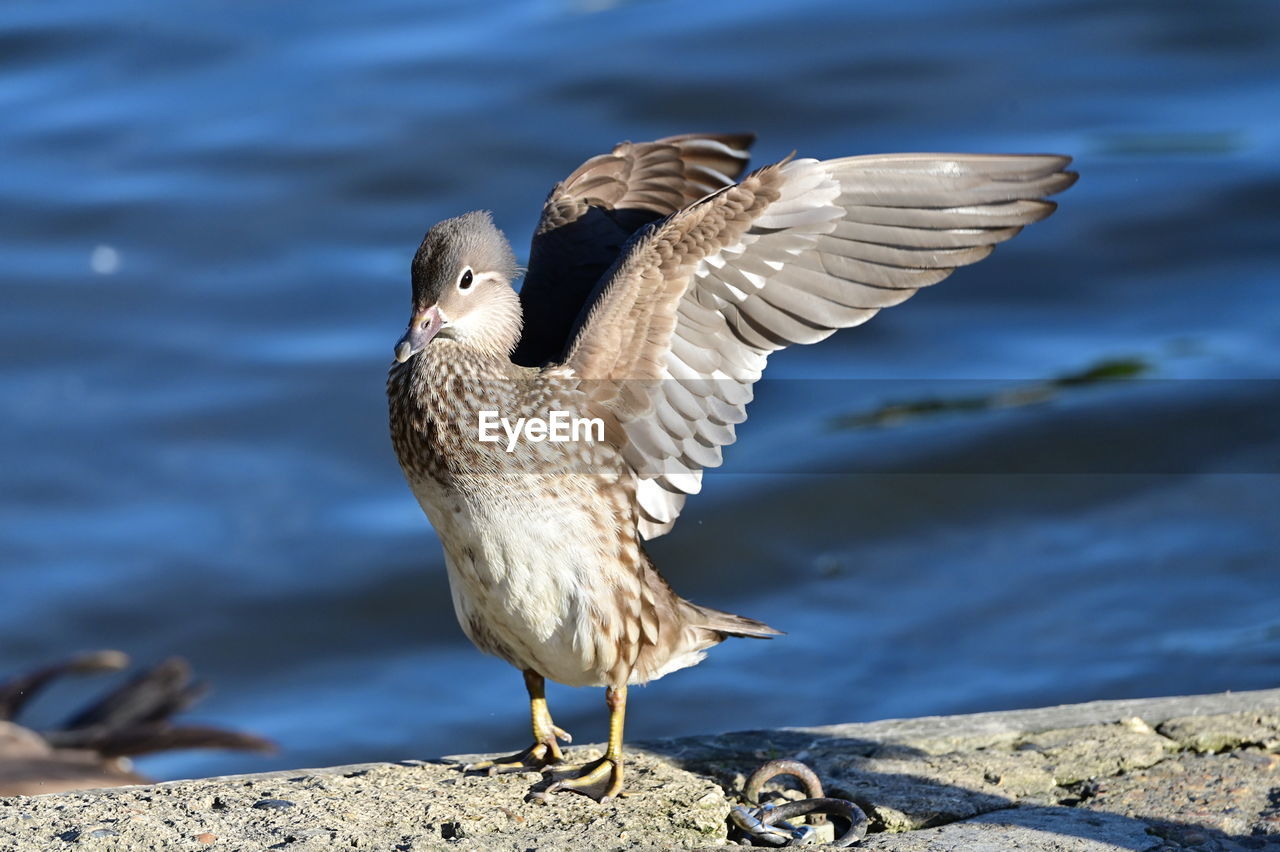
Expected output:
(464, 283)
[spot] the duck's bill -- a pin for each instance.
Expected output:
(425, 325)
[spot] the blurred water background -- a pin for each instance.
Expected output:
(208, 211)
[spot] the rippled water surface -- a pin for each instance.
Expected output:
(208, 211)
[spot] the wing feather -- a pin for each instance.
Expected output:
(590, 215)
(687, 318)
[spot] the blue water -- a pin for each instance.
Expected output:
(207, 212)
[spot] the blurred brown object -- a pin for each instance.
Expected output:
(93, 747)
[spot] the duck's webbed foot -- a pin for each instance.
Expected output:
(543, 753)
(600, 779)
(545, 750)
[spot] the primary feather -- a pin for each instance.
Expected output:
(792, 253)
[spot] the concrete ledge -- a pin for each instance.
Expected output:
(1200, 772)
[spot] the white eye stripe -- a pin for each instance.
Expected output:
(466, 279)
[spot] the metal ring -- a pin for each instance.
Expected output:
(835, 807)
(776, 768)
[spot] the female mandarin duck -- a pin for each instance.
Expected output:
(657, 288)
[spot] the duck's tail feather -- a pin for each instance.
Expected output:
(727, 624)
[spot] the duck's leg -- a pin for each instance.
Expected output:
(602, 779)
(545, 750)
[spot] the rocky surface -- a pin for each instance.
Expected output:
(1197, 773)
(411, 806)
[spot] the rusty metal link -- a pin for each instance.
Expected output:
(767, 824)
(777, 769)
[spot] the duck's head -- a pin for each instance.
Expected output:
(462, 278)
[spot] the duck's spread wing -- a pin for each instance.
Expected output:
(590, 215)
(681, 331)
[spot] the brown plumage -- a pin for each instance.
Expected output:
(658, 336)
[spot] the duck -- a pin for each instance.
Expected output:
(661, 277)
